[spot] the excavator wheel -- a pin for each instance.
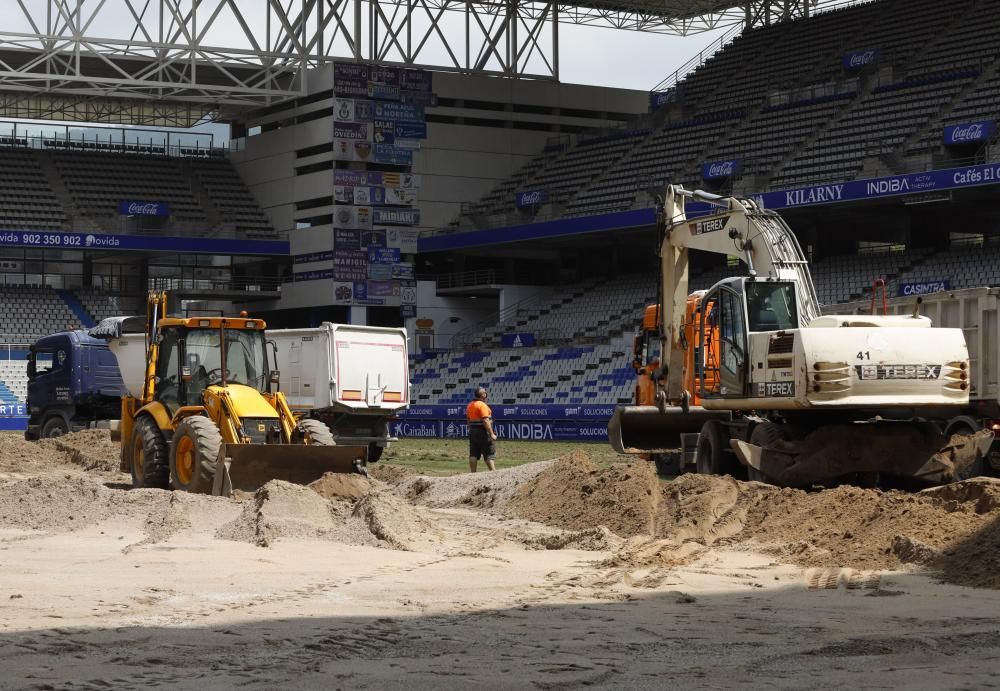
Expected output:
(194, 454)
(313, 432)
(149, 462)
(709, 457)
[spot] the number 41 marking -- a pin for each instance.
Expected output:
(864, 355)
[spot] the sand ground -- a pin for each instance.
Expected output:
(126, 589)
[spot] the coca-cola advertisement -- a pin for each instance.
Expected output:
(531, 198)
(970, 133)
(862, 58)
(720, 170)
(131, 207)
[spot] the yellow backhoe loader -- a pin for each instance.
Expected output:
(204, 412)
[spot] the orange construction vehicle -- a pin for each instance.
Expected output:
(662, 424)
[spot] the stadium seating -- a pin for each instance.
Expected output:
(58, 188)
(779, 99)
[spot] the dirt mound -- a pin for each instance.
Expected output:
(487, 490)
(20, 456)
(389, 473)
(341, 486)
(573, 493)
(597, 539)
(280, 509)
(91, 449)
(70, 502)
(390, 519)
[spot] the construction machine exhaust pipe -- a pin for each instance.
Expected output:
(248, 467)
(636, 429)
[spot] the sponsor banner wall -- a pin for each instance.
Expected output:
(923, 287)
(146, 243)
(970, 133)
(600, 413)
(131, 207)
(522, 430)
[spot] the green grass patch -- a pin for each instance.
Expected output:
(451, 456)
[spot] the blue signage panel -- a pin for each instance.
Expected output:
(417, 80)
(517, 340)
(529, 198)
(350, 265)
(131, 207)
(357, 178)
(407, 311)
(601, 413)
(318, 275)
(923, 287)
(857, 59)
(145, 243)
(357, 131)
(350, 79)
(346, 239)
(719, 170)
(395, 217)
(658, 99)
(383, 255)
(391, 155)
(970, 133)
(399, 112)
(410, 130)
(312, 257)
(523, 430)
(373, 238)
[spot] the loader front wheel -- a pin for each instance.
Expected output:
(193, 457)
(313, 432)
(149, 459)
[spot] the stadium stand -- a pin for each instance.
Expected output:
(30, 312)
(780, 100)
(55, 188)
(13, 381)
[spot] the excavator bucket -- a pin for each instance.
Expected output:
(901, 449)
(638, 429)
(248, 467)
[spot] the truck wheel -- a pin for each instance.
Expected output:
(708, 457)
(150, 465)
(374, 452)
(55, 426)
(194, 454)
(313, 432)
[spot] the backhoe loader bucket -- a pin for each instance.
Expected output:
(644, 429)
(248, 467)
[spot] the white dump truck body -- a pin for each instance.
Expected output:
(344, 367)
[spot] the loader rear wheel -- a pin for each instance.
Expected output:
(709, 457)
(194, 454)
(313, 432)
(150, 463)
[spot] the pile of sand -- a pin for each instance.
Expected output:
(20, 456)
(347, 486)
(954, 530)
(90, 449)
(389, 473)
(486, 490)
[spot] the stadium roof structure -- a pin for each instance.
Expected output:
(173, 62)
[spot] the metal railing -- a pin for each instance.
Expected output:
(109, 139)
(11, 342)
(674, 77)
(465, 279)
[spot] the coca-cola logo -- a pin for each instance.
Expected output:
(532, 198)
(143, 209)
(968, 133)
(862, 58)
(721, 169)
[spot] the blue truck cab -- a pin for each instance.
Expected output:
(73, 384)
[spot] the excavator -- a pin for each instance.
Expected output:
(204, 412)
(780, 393)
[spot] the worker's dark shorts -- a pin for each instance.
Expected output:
(480, 444)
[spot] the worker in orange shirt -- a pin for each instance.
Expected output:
(482, 438)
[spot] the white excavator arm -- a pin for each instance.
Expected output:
(736, 228)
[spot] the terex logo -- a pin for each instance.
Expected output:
(708, 226)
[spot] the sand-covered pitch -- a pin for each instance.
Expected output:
(555, 575)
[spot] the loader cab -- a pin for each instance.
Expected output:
(198, 353)
(731, 310)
